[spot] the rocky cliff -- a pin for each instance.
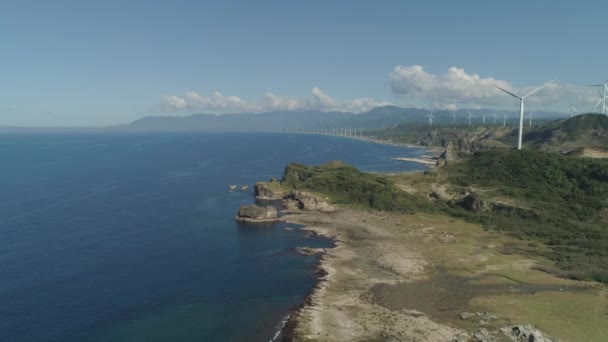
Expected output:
(255, 213)
(269, 190)
(306, 201)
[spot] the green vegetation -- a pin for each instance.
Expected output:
(574, 311)
(562, 201)
(346, 185)
(582, 131)
(548, 198)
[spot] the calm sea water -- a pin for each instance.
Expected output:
(116, 237)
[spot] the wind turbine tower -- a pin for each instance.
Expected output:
(483, 119)
(431, 117)
(453, 117)
(504, 119)
(531, 115)
(573, 111)
(521, 109)
(494, 123)
(470, 117)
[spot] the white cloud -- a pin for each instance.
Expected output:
(220, 103)
(456, 88)
(175, 102)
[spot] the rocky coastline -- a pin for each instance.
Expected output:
(380, 281)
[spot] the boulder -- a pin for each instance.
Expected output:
(308, 201)
(525, 333)
(255, 213)
(232, 187)
(473, 203)
(483, 335)
(269, 190)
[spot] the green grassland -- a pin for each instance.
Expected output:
(561, 202)
(555, 202)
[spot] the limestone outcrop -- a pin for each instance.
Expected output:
(307, 201)
(256, 213)
(269, 190)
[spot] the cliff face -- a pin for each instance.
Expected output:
(307, 201)
(255, 213)
(458, 141)
(269, 190)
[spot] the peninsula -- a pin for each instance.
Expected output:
(493, 244)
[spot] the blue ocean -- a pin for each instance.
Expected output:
(132, 237)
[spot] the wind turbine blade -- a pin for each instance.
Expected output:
(539, 88)
(595, 85)
(506, 91)
(599, 102)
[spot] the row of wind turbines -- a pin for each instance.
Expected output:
(470, 118)
(600, 104)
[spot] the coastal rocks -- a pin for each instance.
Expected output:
(307, 201)
(232, 187)
(245, 188)
(449, 152)
(480, 317)
(255, 213)
(269, 190)
(309, 250)
(525, 333)
(484, 335)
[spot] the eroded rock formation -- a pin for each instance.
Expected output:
(255, 213)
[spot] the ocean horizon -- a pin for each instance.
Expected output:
(132, 237)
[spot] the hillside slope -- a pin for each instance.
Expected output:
(574, 135)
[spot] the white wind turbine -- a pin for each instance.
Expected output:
(453, 117)
(504, 119)
(470, 117)
(573, 111)
(483, 119)
(603, 95)
(521, 109)
(431, 117)
(494, 123)
(530, 116)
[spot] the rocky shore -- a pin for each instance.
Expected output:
(420, 277)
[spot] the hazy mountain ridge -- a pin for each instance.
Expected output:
(376, 118)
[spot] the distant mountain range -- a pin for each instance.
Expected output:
(380, 117)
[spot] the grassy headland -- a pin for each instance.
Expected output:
(521, 234)
(408, 265)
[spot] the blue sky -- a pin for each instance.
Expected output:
(91, 63)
